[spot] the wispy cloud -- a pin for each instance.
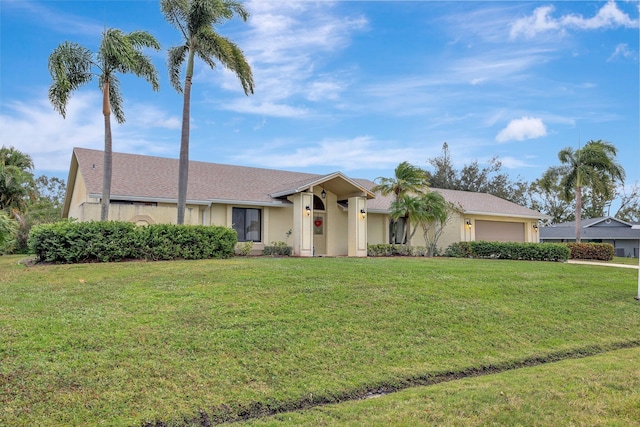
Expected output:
(288, 45)
(541, 21)
(341, 154)
(54, 20)
(622, 51)
(521, 129)
(34, 127)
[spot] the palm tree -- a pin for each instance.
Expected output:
(71, 67)
(9, 156)
(16, 182)
(593, 165)
(196, 19)
(435, 214)
(407, 179)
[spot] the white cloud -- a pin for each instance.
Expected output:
(288, 45)
(538, 22)
(622, 50)
(521, 129)
(609, 16)
(342, 154)
(266, 108)
(34, 127)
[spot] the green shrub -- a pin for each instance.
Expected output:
(459, 250)
(599, 251)
(386, 249)
(509, 250)
(244, 248)
(74, 242)
(278, 249)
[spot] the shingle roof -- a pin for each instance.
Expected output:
(591, 228)
(470, 202)
(149, 177)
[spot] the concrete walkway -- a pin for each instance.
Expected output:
(605, 264)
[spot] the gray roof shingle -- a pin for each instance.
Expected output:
(149, 177)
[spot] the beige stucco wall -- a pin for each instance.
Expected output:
(454, 231)
(377, 228)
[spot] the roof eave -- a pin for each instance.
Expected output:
(504, 215)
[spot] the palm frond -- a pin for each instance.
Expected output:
(176, 57)
(214, 46)
(70, 67)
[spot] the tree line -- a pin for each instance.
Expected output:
(24, 199)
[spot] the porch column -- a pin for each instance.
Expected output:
(357, 227)
(302, 224)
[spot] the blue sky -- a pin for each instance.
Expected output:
(355, 86)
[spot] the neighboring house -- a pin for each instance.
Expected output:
(606, 229)
(331, 215)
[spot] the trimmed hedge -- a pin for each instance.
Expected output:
(509, 250)
(76, 242)
(278, 249)
(387, 249)
(599, 251)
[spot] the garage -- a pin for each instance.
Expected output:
(498, 231)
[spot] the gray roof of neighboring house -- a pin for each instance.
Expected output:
(156, 178)
(605, 228)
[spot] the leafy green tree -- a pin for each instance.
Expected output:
(71, 66)
(407, 180)
(488, 179)
(16, 182)
(196, 20)
(593, 166)
(8, 231)
(629, 209)
(546, 196)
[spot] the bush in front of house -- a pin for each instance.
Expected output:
(169, 241)
(509, 250)
(278, 249)
(387, 249)
(597, 251)
(76, 242)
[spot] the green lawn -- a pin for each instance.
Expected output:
(120, 344)
(594, 391)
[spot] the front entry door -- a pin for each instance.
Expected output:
(319, 234)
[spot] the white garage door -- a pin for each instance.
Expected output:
(496, 231)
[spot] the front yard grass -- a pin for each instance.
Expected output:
(128, 343)
(594, 391)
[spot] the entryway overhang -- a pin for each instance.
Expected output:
(337, 183)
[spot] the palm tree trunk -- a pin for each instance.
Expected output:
(183, 172)
(578, 212)
(108, 154)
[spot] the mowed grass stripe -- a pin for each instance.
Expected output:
(122, 344)
(598, 390)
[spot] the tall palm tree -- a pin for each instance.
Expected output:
(196, 19)
(71, 66)
(593, 165)
(407, 179)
